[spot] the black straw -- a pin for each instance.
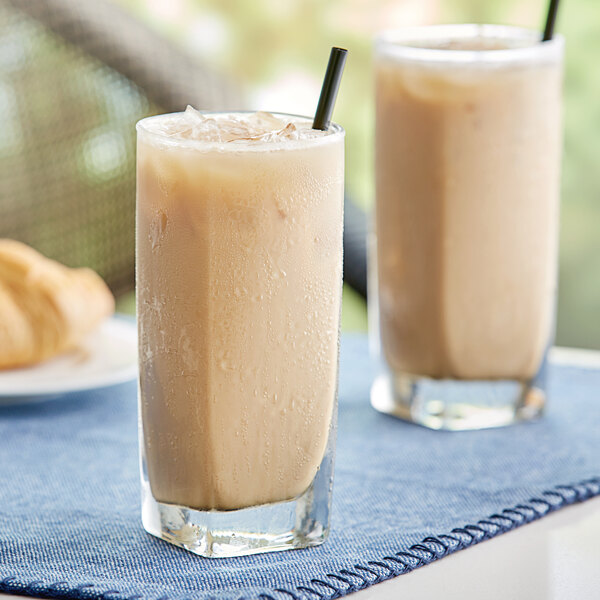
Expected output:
(550, 20)
(331, 84)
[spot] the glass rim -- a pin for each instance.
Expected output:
(337, 132)
(393, 43)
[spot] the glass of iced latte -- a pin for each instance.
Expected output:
(468, 150)
(239, 266)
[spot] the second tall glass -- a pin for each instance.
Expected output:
(468, 148)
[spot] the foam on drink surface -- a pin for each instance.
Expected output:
(245, 129)
(469, 44)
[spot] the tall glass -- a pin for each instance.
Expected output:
(239, 266)
(468, 150)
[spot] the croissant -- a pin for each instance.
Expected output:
(45, 307)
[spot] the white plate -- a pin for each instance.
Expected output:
(107, 357)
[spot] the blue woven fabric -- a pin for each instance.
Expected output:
(403, 496)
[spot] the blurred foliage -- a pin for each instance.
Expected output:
(67, 151)
(354, 313)
(261, 41)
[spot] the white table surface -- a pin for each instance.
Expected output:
(554, 558)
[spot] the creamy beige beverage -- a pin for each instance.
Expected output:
(467, 164)
(239, 250)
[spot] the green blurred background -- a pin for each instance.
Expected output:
(278, 50)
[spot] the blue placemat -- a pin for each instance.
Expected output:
(403, 496)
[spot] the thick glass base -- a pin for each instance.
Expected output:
(297, 523)
(457, 405)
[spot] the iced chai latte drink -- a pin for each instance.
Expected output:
(239, 265)
(468, 149)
